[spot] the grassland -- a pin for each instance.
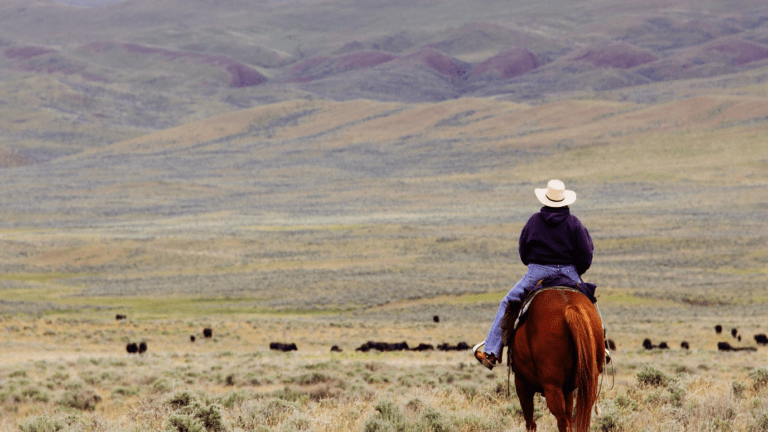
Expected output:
(138, 180)
(367, 220)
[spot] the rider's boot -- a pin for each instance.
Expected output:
(488, 360)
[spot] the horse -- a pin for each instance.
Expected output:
(556, 350)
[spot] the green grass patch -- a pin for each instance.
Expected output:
(151, 308)
(330, 227)
(41, 277)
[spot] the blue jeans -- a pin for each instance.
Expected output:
(536, 272)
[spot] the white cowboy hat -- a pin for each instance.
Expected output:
(555, 195)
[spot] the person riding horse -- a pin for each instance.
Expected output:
(553, 243)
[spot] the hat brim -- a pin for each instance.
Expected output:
(570, 198)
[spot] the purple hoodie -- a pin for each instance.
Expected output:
(555, 236)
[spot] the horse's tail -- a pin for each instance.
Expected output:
(586, 367)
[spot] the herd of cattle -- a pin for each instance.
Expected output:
(761, 338)
(140, 348)
(380, 346)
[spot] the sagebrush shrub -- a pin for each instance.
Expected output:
(211, 418)
(378, 424)
(738, 389)
(41, 424)
(388, 418)
(759, 378)
(390, 412)
(434, 421)
(652, 377)
(277, 410)
(83, 400)
(182, 399)
(184, 423)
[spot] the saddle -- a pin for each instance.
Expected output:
(516, 312)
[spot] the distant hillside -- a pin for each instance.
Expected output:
(371, 160)
(74, 79)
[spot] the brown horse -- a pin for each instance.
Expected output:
(557, 349)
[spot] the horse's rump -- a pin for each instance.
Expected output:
(588, 364)
(559, 346)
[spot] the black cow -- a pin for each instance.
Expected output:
(383, 346)
(436, 319)
(401, 346)
(461, 346)
(761, 338)
(132, 348)
(734, 332)
(192, 338)
(335, 348)
(120, 317)
(284, 347)
(725, 346)
(718, 329)
(207, 332)
(423, 347)
(647, 344)
(663, 345)
(142, 347)
(684, 345)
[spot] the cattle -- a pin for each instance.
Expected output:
(663, 345)
(761, 338)
(142, 347)
(423, 347)
(718, 329)
(684, 345)
(120, 317)
(436, 319)
(284, 347)
(725, 346)
(734, 332)
(335, 348)
(383, 346)
(207, 332)
(192, 338)
(461, 346)
(399, 346)
(647, 344)
(132, 348)
(610, 344)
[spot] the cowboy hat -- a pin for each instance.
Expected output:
(555, 195)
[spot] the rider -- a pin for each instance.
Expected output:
(553, 242)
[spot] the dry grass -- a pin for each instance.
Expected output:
(94, 385)
(669, 193)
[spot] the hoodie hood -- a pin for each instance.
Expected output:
(554, 216)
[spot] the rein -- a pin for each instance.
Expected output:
(605, 360)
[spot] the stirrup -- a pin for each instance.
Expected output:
(477, 347)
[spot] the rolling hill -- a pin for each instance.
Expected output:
(132, 130)
(141, 66)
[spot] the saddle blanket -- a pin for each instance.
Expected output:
(555, 282)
